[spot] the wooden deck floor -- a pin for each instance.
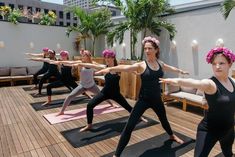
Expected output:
(25, 133)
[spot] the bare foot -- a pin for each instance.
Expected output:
(37, 94)
(86, 128)
(61, 113)
(144, 119)
(114, 105)
(46, 103)
(35, 87)
(176, 139)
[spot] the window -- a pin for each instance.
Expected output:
(46, 11)
(2, 4)
(61, 23)
(68, 23)
(61, 14)
(12, 6)
(21, 7)
(75, 25)
(68, 16)
(38, 9)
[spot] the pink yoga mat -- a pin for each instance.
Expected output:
(80, 113)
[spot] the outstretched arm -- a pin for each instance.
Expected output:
(91, 65)
(167, 67)
(35, 54)
(206, 85)
(120, 68)
(40, 59)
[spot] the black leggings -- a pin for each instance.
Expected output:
(100, 97)
(69, 84)
(39, 72)
(205, 141)
(140, 107)
(46, 76)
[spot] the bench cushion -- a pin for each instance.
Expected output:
(191, 97)
(188, 90)
(18, 71)
(4, 71)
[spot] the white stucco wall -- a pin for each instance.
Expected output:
(17, 39)
(205, 26)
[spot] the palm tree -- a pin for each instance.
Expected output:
(141, 16)
(92, 24)
(227, 7)
(101, 22)
(83, 28)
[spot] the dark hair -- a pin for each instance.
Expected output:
(115, 62)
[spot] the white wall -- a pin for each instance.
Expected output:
(17, 39)
(205, 26)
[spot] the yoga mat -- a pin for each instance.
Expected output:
(57, 92)
(58, 103)
(29, 88)
(80, 113)
(101, 131)
(220, 155)
(158, 146)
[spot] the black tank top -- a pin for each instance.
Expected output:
(66, 73)
(150, 86)
(45, 65)
(220, 115)
(53, 69)
(111, 84)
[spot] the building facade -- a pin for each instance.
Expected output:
(63, 19)
(82, 3)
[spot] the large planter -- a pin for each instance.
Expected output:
(36, 20)
(23, 20)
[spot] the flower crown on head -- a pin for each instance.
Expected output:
(149, 38)
(45, 49)
(51, 51)
(109, 53)
(64, 53)
(85, 52)
(225, 51)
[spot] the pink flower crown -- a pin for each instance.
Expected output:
(109, 53)
(45, 49)
(85, 52)
(149, 38)
(64, 53)
(225, 51)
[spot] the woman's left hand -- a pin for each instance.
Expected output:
(103, 71)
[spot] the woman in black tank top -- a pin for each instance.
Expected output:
(111, 88)
(44, 54)
(150, 71)
(218, 121)
(66, 79)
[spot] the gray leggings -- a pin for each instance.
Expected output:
(77, 91)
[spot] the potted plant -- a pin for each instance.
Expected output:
(14, 16)
(48, 19)
(4, 11)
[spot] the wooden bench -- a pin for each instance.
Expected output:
(188, 96)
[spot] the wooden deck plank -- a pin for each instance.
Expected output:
(12, 141)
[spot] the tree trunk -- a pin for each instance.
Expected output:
(93, 46)
(142, 49)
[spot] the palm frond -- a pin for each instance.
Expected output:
(227, 7)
